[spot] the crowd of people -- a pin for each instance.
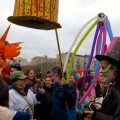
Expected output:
(27, 96)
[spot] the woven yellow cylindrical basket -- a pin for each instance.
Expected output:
(38, 14)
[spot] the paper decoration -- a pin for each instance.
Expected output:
(38, 14)
(8, 50)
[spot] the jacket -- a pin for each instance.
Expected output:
(63, 97)
(17, 104)
(111, 105)
(45, 107)
(5, 113)
(72, 113)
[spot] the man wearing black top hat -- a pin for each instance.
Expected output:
(110, 68)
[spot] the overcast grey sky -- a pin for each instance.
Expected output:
(72, 15)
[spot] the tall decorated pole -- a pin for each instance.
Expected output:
(37, 14)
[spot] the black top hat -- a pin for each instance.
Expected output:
(113, 52)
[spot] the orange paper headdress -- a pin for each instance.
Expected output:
(8, 50)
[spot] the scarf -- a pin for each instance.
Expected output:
(21, 88)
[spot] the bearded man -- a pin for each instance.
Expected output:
(110, 69)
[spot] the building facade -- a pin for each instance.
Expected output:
(21, 61)
(80, 61)
(45, 62)
(36, 60)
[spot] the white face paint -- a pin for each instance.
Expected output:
(108, 76)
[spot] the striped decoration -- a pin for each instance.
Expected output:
(45, 9)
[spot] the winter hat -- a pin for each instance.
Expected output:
(80, 81)
(18, 74)
(113, 52)
(78, 74)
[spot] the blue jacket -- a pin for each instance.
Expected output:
(63, 97)
(72, 113)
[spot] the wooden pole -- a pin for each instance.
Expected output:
(59, 51)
